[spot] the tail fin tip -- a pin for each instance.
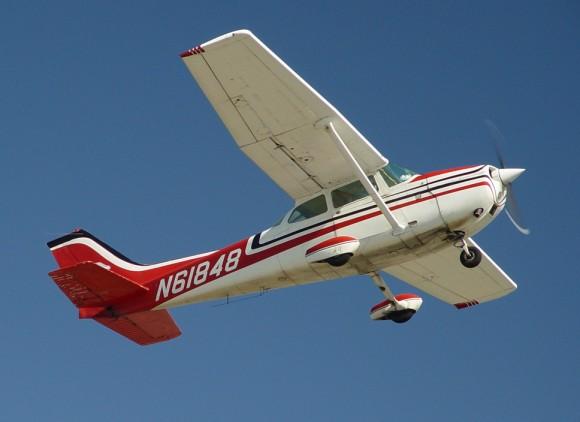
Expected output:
(69, 258)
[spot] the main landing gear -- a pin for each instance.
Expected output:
(470, 256)
(399, 309)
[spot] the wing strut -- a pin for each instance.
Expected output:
(398, 228)
(383, 287)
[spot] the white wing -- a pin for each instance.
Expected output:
(440, 274)
(271, 113)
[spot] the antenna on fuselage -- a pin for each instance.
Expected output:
(262, 292)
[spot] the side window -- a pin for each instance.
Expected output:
(350, 193)
(309, 209)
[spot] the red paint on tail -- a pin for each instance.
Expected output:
(109, 288)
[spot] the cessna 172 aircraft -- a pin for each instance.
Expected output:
(355, 212)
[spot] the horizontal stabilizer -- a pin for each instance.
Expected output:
(88, 284)
(143, 328)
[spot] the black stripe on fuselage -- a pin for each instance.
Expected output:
(256, 240)
(431, 184)
(457, 175)
(80, 233)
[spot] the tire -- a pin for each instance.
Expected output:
(470, 261)
(339, 260)
(402, 316)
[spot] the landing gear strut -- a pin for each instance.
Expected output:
(470, 256)
(383, 287)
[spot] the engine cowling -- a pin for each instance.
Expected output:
(335, 251)
(407, 305)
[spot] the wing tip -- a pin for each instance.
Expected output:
(192, 51)
(200, 48)
(466, 304)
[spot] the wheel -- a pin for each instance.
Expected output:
(338, 260)
(401, 316)
(472, 260)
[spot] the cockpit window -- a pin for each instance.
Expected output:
(350, 193)
(278, 222)
(394, 174)
(309, 209)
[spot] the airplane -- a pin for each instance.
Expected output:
(355, 212)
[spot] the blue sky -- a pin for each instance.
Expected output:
(103, 128)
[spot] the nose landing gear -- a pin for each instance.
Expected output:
(470, 256)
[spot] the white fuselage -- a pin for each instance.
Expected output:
(434, 206)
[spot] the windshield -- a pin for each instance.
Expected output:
(395, 174)
(279, 221)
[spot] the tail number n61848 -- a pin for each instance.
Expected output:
(198, 274)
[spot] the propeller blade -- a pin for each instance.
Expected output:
(507, 176)
(498, 139)
(512, 211)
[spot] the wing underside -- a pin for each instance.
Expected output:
(272, 114)
(440, 274)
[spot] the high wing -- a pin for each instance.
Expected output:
(440, 274)
(272, 114)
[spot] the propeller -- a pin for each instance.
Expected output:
(507, 176)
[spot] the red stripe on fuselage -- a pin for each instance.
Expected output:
(335, 241)
(248, 260)
(439, 172)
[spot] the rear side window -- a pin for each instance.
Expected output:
(350, 193)
(309, 209)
